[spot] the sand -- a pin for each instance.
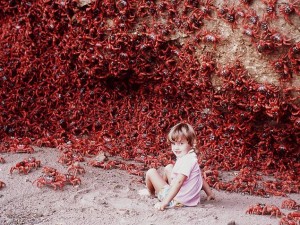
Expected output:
(110, 197)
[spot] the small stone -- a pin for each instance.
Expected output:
(60, 223)
(231, 223)
(100, 157)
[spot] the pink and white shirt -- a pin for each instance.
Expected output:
(189, 193)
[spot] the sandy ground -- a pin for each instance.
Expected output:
(110, 197)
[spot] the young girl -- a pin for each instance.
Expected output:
(180, 184)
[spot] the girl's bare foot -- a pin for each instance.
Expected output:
(212, 196)
(144, 192)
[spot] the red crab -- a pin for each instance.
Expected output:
(279, 39)
(3, 147)
(219, 185)
(294, 51)
(264, 25)
(230, 15)
(105, 165)
(270, 9)
(51, 181)
(71, 179)
(287, 9)
(49, 171)
(289, 204)
(283, 67)
(265, 46)
(20, 148)
(32, 162)
(294, 216)
(96, 163)
(207, 64)
(251, 17)
(75, 169)
(209, 37)
(210, 173)
(272, 210)
(287, 221)
(2, 184)
(26, 165)
(68, 157)
(256, 209)
(21, 167)
(272, 108)
(211, 176)
(2, 160)
(208, 8)
(246, 3)
(136, 172)
(250, 32)
(58, 180)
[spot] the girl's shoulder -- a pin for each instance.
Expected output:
(186, 164)
(192, 154)
(190, 157)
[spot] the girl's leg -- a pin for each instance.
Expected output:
(167, 173)
(154, 181)
(207, 190)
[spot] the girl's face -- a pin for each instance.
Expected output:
(180, 147)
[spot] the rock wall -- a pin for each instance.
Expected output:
(114, 76)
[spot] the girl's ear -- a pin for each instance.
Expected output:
(194, 144)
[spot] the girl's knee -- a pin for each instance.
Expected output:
(167, 173)
(150, 172)
(169, 167)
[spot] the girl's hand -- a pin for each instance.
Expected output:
(176, 185)
(160, 206)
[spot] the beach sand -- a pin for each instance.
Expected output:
(111, 197)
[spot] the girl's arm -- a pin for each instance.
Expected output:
(175, 187)
(208, 191)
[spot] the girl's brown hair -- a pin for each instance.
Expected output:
(183, 130)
